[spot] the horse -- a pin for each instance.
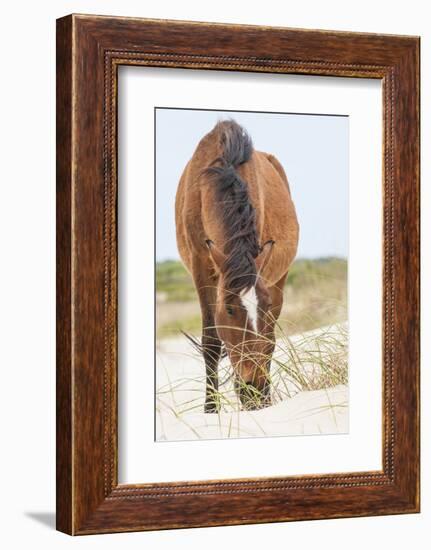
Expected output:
(237, 235)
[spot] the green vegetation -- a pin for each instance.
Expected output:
(315, 296)
(306, 273)
(173, 282)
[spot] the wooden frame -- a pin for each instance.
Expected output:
(89, 51)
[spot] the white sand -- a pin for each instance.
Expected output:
(180, 397)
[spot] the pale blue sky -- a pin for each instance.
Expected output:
(313, 149)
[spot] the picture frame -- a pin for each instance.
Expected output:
(89, 51)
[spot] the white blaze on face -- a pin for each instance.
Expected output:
(249, 301)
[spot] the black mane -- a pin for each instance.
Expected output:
(238, 215)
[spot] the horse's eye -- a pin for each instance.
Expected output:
(229, 310)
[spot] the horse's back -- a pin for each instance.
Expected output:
(181, 223)
(275, 212)
(198, 214)
(190, 203)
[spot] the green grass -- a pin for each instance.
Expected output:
(306, 273)
(173, 282)
(315, 295)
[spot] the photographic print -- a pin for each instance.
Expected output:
(251, 216)
(233, 232)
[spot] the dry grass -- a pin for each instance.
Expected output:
(311, 361)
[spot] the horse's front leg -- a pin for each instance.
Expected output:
(211, 346)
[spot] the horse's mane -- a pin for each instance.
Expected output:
(238, 215)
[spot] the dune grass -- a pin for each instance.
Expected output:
(305, 362)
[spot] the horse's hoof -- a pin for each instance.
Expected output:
(211, 408)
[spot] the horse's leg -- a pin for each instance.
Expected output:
(211, 344)
(276, 292)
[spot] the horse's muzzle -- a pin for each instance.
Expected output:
(253, 399)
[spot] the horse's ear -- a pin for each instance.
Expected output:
(264, 256)
(216, 254)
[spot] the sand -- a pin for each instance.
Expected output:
(180, 384)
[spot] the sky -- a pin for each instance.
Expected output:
(314, 152)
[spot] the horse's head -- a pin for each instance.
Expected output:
(245, 324)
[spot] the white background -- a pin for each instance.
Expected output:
(141, 458)
(27, 275)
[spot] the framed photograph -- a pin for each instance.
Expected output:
(237, 274)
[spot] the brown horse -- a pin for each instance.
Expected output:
(237, 234)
